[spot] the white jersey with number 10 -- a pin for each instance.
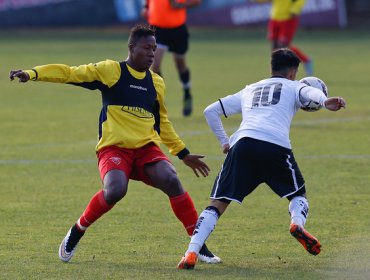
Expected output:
(267, 109)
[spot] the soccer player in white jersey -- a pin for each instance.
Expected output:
(260, 150)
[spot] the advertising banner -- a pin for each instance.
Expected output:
(330, 13)
(217, 13)
(21, 4)
(56, 13)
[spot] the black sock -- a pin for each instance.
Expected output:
(185, 79)
(187, 93)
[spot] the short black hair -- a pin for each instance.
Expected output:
(283, 59)
(140, 31)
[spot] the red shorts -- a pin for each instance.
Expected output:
(130, 161)
(282, 31)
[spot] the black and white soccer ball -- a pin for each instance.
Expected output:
(315, 82)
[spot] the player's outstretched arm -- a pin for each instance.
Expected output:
(20, 74)
(335, 103)
(194, 162)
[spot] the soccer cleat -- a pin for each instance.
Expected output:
(309, 242)
(69, 244)
(188, 106)
(188, 261)
(206, 255)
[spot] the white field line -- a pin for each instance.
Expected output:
(208, 158)
(300, 156)
(46, 161)
(298, 123)
(187, 133)
(330, 120)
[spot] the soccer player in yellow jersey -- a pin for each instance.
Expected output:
(169, 19)
(133, 122)
(283, 24)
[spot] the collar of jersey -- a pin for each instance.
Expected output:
(136, 74)
(277, 76)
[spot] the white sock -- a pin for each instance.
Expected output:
(80, 227)
(205, 225)
(298, 209)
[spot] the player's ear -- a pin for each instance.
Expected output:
(131, 47)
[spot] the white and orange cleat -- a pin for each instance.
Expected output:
(188, 261)
(309, 242)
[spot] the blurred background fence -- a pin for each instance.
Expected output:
(217, 13)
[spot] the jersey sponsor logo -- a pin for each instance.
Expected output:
(139, 87)
(137, 112)
(115, 160)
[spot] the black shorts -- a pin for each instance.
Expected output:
(175, 39)
(251, 162)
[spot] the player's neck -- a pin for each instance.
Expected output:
(134, 66)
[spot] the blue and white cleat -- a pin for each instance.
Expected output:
(69, 244)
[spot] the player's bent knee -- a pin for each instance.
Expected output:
(171, 185)
(114, 193)
(113, 197)
(171, 181)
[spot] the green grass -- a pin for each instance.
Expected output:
(48, 167)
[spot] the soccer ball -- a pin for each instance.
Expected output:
(315, 82)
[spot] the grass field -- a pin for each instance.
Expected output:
(48, 168)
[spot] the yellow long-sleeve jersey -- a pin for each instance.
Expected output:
(284, 9)
(133, 112)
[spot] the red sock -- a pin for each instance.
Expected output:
(304, 58)
(184, 209)
(94, 210)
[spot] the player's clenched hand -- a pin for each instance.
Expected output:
(335, 103)
(225, 148)
(194, 162)
(22, 76)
